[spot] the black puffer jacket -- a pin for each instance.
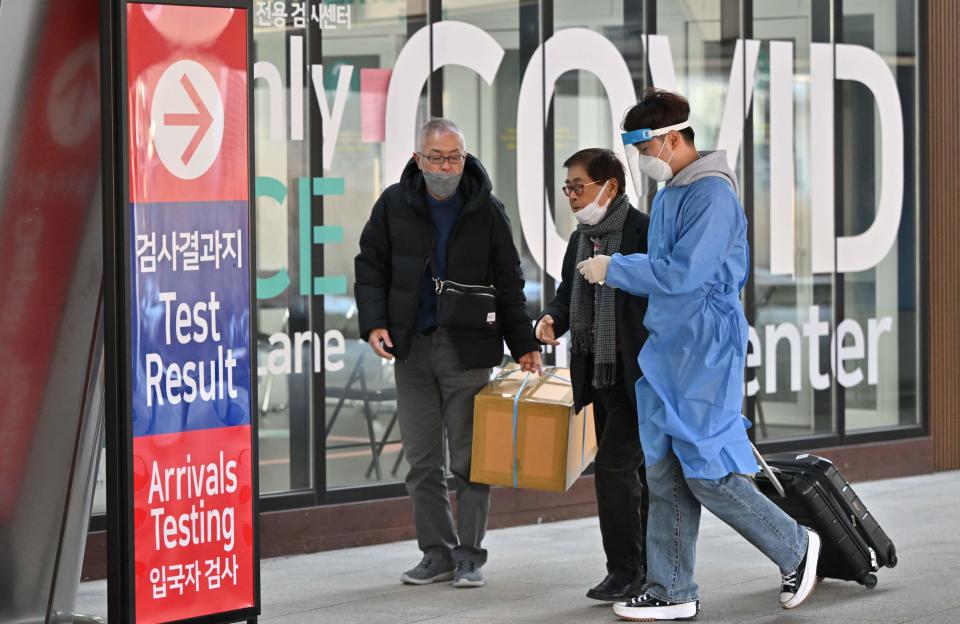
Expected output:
(394, 248)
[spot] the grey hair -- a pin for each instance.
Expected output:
(439, 125)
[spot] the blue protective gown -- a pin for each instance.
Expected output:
(691, 393)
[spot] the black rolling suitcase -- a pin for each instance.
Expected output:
(817, 496)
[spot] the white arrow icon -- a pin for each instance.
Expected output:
(187, 119)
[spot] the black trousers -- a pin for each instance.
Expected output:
(620, 479)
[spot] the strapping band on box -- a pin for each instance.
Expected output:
(516, 418)
(553, 373)
(550, 372)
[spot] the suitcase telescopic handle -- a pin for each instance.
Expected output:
(768, 471)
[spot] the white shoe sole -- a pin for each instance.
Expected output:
(464, 583)
(809, 581)
(684, 612)
(443, 576)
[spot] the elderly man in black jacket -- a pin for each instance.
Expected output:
(441, 223)
(607, 332)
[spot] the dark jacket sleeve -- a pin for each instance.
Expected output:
(559, 308)
(508, 280)
(372, 267)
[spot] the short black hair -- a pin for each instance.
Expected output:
(601, 165)
(659, 108)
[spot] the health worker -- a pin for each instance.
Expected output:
(689, 399)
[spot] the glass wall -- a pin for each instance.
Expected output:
(581, 114)
(815, 102)
(487, 112)
(881, 299)
(285, 363)
(360, 432)
(786, 364)
(702, 36)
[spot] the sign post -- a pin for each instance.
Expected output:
(178, 265)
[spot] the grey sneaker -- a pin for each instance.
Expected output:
(468, 574)
(431, 569)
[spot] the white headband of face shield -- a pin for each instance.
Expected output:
(643, 166)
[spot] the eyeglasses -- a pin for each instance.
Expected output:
(437, 159)
(576, 188)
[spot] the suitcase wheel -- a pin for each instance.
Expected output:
(869, 581)
(891, 556)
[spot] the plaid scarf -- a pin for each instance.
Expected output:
(593, 317)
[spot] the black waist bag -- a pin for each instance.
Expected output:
(466, 306)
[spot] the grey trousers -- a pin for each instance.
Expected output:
(434, 392)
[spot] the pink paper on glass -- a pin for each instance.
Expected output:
(373, 104)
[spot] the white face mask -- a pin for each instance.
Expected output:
(655, 168)
(593, 213)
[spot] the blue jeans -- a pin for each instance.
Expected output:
(674, 522)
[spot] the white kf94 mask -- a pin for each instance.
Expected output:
(593, 213)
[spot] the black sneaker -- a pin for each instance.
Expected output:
(467, 574)
(797, 586)
(644, 608)
(431, 569)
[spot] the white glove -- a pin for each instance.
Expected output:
(594, 269)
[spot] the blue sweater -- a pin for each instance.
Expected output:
(444, 213)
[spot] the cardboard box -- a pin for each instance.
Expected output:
(542, 444)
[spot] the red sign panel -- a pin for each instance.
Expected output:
(188, 103)
(193, 501)
(189, 257)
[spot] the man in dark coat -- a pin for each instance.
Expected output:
(441, 222)
(607, 332)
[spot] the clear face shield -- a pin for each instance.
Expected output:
(643, 167)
